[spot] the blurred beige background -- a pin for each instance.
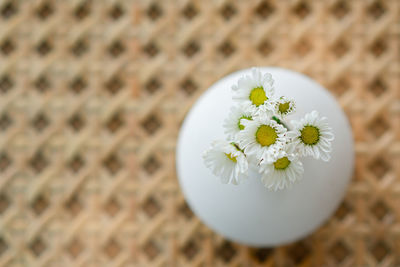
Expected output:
(92, 95)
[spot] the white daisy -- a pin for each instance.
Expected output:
(284, 106)
(227, 161)
(282, 171)
(261, 137)
(232, 124)
(312, 136)
(254, 92)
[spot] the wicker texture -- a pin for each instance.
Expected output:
(92, 95)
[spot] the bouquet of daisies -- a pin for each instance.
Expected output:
(258, 135)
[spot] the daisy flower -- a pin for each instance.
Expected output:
(232, 124)
(254, 92)
(261, 137)
(312, 136)
(284, 106)
(281, 171)
(227, 161)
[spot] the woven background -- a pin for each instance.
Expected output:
(92, 95)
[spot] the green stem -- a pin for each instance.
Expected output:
(280, 122)
(237, 146)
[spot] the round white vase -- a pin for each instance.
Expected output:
(249, 213)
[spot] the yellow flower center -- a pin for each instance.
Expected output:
(282, 163)
(240, 126)
(266, 135)
(284, 107)
(257, 96)
(310, 135)
(229, 156)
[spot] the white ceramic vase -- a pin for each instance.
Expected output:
(249, 213)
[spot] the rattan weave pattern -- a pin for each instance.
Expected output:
(92, 95)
